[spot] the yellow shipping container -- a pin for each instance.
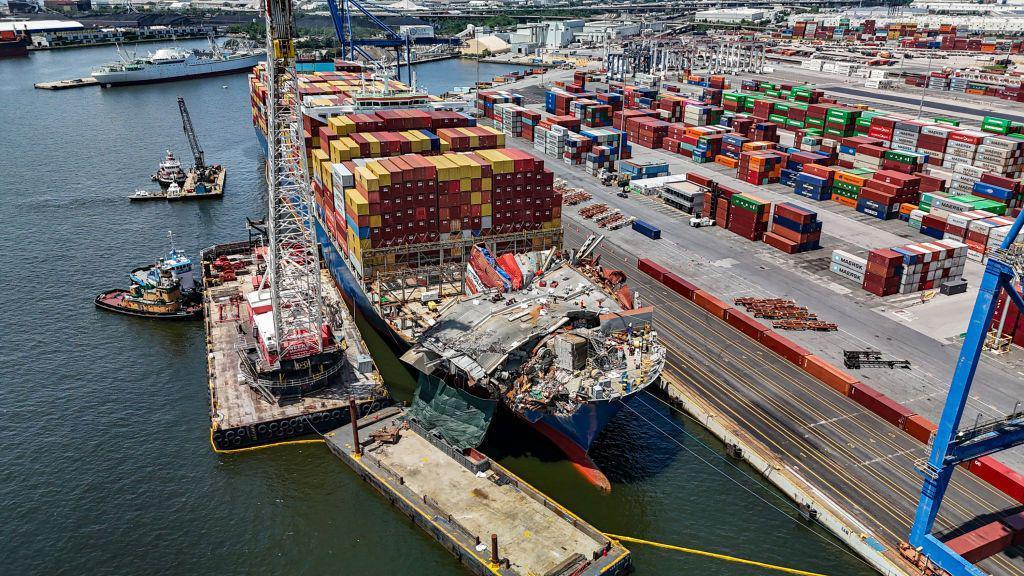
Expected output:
(326, 176)
(340, 150)
(485, 184)
(319, 157)
(465, 184)
(342, 125)
(446, 170)
(485, 209)
(367, 179)
(356, 203)
(500, 164)
(375, 221)
(374, 144)
(475, 198)
(469, 168)
(383, 174)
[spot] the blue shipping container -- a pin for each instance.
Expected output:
(652, 232)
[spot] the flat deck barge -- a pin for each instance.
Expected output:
(65, 84)
(463, 498)
(243, 416)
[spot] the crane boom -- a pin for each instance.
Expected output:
(193, 142)
(293, 261)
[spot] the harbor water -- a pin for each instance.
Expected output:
(105, 461)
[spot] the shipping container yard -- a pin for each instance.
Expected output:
(738, 288)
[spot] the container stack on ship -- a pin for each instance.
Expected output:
(450, 245)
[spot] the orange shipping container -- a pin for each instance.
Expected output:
(710, 303)
(833, 377)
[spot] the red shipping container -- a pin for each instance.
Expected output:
(784, 347)
(982, 542)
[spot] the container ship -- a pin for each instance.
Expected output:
(450, 246)
(168, 64)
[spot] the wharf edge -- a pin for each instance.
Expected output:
(461, 548)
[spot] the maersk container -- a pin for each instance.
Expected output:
(652, 232)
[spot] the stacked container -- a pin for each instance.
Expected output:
(760, 167)
(749, 216)
(848, 266)
(814, 182)
(794, 229)
(882, 195)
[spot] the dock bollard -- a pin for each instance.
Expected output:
(354, 416)
(494, 548)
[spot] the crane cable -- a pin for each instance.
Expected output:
(713, 555)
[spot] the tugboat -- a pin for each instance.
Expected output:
(166, 289)
(170, 172)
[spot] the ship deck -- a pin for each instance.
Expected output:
(484, 328)
(233, 403)
(466, 501)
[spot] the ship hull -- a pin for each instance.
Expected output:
(171, 73)
(572, 434)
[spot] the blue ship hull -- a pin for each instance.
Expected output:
(583, 425)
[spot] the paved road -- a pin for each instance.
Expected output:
(857, 460)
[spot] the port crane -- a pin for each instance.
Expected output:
(392, 40)
(190, 133)
(293, 270)
(951, 445)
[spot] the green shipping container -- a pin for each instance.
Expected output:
(845, 193)
(749, 204)
(816, 122)
(777, 118)
(947, 121)
(795, 123)
(902, 157)
(846, 187)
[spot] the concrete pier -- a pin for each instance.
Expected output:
(492, 521)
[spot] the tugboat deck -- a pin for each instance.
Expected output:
(469, 498)
(236, 404)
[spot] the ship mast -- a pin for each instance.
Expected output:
(293, 260)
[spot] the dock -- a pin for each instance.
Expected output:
(488, 518)
(856, 473)
(240, 415)
(66, 84)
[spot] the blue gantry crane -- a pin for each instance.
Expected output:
(953, 446)
(391, 40)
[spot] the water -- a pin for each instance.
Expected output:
(105, 463)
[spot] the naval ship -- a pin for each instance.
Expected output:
(168, 64)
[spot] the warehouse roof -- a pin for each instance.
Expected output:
(40, 26)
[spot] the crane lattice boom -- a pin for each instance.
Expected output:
(293, 261)
(193, 142)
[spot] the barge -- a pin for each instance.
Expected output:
(252, 407)
(442, 489)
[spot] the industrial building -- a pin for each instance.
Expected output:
(731, 15)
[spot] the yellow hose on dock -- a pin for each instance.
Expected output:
(713, 555)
